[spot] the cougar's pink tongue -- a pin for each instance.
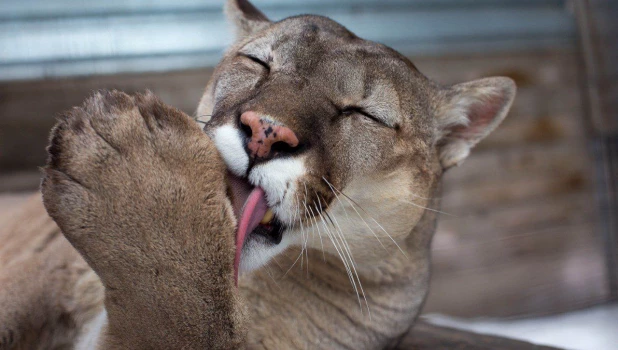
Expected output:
(250, 207)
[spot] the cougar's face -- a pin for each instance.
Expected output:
(334, 142)
(326, 137)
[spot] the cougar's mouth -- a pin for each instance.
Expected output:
(253, 215)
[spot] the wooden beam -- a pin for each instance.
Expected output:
(425, 336)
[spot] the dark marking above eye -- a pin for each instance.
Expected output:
(366, 92)
(340, 86)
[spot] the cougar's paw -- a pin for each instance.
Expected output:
(112, 127)
(129, 178)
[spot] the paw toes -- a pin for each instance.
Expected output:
(56, 143)
(108, 104)
(68, 142)
(65, 198)
(79, 146)
(115, 119)
(159, 116)
(112, 129)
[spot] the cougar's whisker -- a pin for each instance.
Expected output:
(297, 214)
(319, 233)
(347, 250)
(297, 258)
(302, 233)
(307, 237)
(294, 263)
(323, 209)
(357, 213)
(353, 203)
(270, 274)
(342, 256)
(330, 219)
(304, 237)
(430, 209)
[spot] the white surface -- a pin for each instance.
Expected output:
(591, 329)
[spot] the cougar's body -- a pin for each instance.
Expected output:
(338, 142)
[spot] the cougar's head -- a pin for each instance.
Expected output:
(332, 141)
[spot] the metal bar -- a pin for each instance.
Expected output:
(32, 49)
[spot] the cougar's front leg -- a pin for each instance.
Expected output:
(138, 189)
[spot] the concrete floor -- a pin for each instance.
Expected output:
(595, 328)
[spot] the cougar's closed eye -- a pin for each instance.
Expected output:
(258, 61)
(351, 110)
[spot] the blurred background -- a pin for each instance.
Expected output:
(533, 233)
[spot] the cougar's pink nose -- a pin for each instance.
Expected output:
(264, 134)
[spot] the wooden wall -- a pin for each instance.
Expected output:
(522, 238)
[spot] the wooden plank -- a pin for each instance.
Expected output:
(490, 192)
(499, 223)
(454, 251)
(524, 287)
(528, 160)
(545, 129)
(181, 89)
(425, 336)
(548, 68)
(28, 108)
(537, 101)
(20, 181)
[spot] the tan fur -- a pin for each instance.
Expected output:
(302, 72)
(127, 172)
(48, 291)
(138, 189)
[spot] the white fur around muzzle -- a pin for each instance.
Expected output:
(281, 180)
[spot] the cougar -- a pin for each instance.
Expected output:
(301, 216)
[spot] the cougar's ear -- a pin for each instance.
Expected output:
(467, 113)
(246, 18)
